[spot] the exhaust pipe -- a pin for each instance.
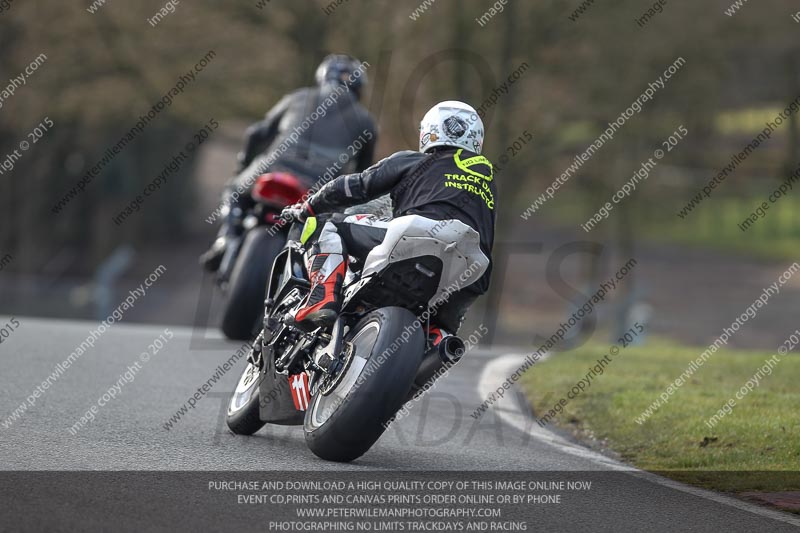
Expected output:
(436, 362)
(451, 349)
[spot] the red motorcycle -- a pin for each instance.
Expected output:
(246, 264)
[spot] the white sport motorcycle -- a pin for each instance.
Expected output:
(345, 382)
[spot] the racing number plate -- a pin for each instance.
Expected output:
(298, 383)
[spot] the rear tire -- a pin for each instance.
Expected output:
(248, 285)
(342, 425)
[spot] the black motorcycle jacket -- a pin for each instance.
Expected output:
(446, 184)
(314, 128)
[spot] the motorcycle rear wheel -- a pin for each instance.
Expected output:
(342, 424)
(248, 284)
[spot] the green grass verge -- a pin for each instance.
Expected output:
(761, 434)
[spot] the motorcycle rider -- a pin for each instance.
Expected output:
(446, 179)
(324, 142)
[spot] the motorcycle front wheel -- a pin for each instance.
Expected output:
(243, 416)
(348, 416)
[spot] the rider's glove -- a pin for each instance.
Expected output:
(299, 212)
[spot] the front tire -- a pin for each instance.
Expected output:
(343, 424)
(248, 284)
(243, 408)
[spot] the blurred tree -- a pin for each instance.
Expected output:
(104, 70)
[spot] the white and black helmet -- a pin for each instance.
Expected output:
(451, 123)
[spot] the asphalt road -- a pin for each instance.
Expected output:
(128, 434)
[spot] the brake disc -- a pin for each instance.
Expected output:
(337, 369)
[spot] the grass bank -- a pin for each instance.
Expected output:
(760, 434)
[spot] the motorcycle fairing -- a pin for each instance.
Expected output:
(453, 243)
